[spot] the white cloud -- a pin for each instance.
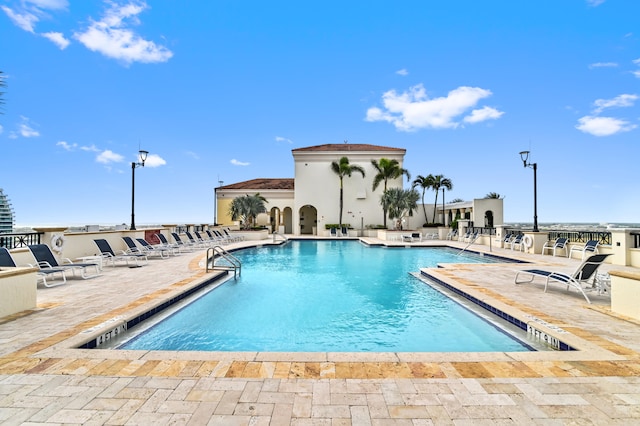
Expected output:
(58, 39)
(107, 156)
(238, 163)
(112, 38)
(154, 160)
(595, 3)
(413, 109)
(25, 130)
(636, 73)
(91, 148)
(624, 100)
(1, 129)
(49, 4)
(25, 20)
(603, 65)
(281, 139)
(483, 114)
(29, 12)
(402, 72)
(67, 146)
(603, 126)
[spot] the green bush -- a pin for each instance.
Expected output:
(336, 226)
(376, 227)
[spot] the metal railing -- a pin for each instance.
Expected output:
(603, 237)
(277, 234)
(11, 241)
(482, 230)
(227, 261)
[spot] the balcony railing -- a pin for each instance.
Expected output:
(483, 231)
(11, 241)
(603, 237)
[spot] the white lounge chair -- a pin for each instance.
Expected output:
(590, 246)
(110, 256)
(585, 272)
(517, 242)
(6, 261)
(559, 244)
(46, 261)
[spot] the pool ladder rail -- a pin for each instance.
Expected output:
(219, 258)
(471, 242)
(276, 234)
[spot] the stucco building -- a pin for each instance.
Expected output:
(303, 205)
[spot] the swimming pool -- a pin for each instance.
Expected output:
(329, 296)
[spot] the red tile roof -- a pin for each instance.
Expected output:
(262, 184)
(353, 147)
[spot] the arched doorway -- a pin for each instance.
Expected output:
(488, 219)
(308, 220)
(287, 220)
(274, 219)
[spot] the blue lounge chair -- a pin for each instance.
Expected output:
(6, 261)
(590, 246)
(231, 237)
(134, 249)
(559, 244)
(175, 248)
(507, 240)
(333, 232)
(47, 261)
(110, 256)
(585, 272)
(182, 244)
(517, 241)
(151, 249)
(194, 242)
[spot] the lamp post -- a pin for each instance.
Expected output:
(524, 155)
(143, 157)
(444, 218)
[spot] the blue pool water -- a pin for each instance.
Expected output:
(329, 296)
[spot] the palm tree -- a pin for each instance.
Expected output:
(424, 182)
(246, 208)
(399, 202)
(439, 181)
(493, 195)
(342, 168)
(387, 169)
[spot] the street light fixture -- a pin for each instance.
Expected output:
(143, 157)
(524, 155)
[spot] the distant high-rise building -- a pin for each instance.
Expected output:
(6, 214)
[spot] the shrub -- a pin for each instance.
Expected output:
(336, 225)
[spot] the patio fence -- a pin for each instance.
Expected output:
(11, 241)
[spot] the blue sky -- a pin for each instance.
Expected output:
(224, 90)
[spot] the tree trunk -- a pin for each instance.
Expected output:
(340, 215)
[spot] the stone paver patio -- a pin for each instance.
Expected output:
(43, 380)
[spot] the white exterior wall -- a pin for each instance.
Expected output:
(317, 185)
(481, 205)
